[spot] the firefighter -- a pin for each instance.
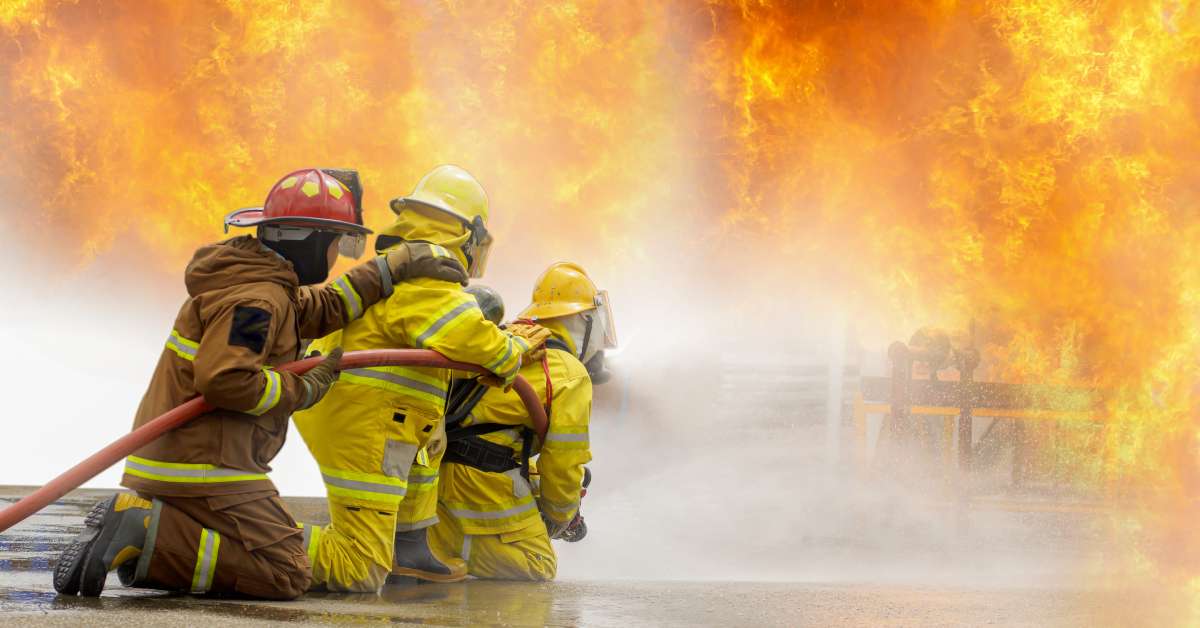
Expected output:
(207, 519)
(489, 514)
(375, 435)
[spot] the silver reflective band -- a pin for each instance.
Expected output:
(358, 485)
(495, 364)
(562, 438)
(445, 318)
(498, 514)
(421, 479)
(352, 301)
(466, 548)
(385, 276)
(178, 345)
(188, 473)
(416, 525)
(398, 380)
(556, 508)
(202, 578)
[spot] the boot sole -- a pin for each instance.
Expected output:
(94, 571)
(404, 572)
(69, 570)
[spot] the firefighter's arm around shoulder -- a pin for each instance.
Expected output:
(450, 322)
(566, 449)
(333, 306)
(231, 369)
(325, 309)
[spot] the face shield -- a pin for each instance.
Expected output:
(349, 245)
(604, 324)
(478, 249)
(352, 245)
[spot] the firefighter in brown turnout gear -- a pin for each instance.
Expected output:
(207, 519)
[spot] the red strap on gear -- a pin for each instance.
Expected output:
(549, 386)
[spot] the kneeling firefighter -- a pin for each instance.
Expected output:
(207, 519)
(488, 511)
(376, 435)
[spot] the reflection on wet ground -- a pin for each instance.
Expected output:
(27, 553)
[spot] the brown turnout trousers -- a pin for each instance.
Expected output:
(246, 544)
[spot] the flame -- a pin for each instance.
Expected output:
(1029, 165)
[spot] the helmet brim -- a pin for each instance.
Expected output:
(538, 311)
(253, 217)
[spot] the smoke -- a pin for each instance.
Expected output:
(702, 473)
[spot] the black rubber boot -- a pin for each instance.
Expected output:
(415, 559)
(113, 535)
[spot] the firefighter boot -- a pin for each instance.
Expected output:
(415, 559)
(113, 535)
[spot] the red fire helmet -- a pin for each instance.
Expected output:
(305, 198)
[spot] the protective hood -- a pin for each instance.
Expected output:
(234, 262)
(417, 225)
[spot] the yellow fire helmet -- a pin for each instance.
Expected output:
(566, 289)
(453, 191)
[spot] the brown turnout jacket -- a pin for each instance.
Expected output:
(245, 315)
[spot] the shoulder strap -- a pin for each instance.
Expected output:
(555, 343)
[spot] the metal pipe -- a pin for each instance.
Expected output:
(96, 463)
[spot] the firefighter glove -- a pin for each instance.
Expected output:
(554, 529)
(420, 259)
(319, 378)
(534, 335)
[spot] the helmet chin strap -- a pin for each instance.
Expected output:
(587, 336)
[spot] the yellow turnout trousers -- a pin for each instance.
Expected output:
(521, 554)
(371, 463)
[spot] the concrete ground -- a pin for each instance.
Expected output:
(27, 554)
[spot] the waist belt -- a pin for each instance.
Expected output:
(464, 446)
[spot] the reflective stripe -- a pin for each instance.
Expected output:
(439, 250)
(495, 364)
(186, 473)
(385, 276)
(389, 380)
(444, 320)
(182, 347)
(556, 508)
(350, 297)
(368, 486)
(466, 548)
(408, 526)
(422, 478)
(206, 561)
(578, 438)
(271, 393)
(498, 514)
(312, 540)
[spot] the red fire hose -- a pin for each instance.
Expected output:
(127, 444)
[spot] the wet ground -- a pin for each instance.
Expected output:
(27, 554)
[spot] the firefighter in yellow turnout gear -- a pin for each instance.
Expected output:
(488, 513)
(370, 434)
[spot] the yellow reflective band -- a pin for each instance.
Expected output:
(312, 540)
(182, 347)
(399, 381)
(271, 393)
(445, 320)
(422, 478)
(186, 473)
(350, 297)
(206, 561)
(368, 486)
